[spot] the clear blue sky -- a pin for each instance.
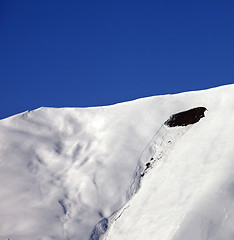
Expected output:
(90, 53)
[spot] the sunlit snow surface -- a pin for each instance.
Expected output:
(62, 171)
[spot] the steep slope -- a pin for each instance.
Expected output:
(63, 171)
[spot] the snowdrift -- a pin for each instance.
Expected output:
(132, 170)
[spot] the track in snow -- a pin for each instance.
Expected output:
(157, 150)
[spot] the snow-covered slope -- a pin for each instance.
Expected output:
(77, 173)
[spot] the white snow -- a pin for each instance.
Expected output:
(62, 171)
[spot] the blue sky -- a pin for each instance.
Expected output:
(91, 53)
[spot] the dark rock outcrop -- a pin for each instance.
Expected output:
(187, 117)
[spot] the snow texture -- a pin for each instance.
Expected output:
(118, 172)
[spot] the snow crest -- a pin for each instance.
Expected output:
(80, 173)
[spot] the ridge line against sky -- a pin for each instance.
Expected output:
(127, 101)
(83, 54)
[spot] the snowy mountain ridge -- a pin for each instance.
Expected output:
(63, 171)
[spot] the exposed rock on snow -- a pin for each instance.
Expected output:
(187, 117)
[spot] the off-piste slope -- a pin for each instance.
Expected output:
(88, 173)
